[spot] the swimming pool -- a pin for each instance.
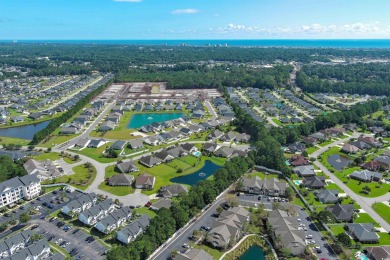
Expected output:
(196, 154)
(297, 182)
(363, 257)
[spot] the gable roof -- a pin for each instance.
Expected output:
(121, 179)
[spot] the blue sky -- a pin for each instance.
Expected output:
(194, 19)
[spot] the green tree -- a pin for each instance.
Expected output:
(36, 237)
(344, 239)
(24, 217)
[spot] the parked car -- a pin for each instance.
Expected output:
(186, 245)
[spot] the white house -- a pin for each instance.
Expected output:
(12, 190)
(113, 221)
(92, 215)
(85, 202)
(133, 230)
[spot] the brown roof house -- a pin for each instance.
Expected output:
(145, 181)
(349, 148)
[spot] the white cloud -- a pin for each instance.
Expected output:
(128, 1)
(185, 11)
(314, 29)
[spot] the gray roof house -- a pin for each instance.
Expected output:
(271, 187)
(121, 180)
(366, 176)
(114, 220)
(150, 161)
(193, 254)
(285, 226)
(364, 233)
(136, 144)
(172, 190)
(133, 230)
(224, 152)
(82, 203)
(127, 167)
(145, 181)
(119, 145)
(314, 182)
(342, 212)
(228, 227)
(305, 170)
(161, 203)
(210, 147)
(328, 196)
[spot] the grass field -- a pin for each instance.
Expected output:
(276, 121)
(383, 211)
(81, 178)
(365, 218)
(311, 150)
(57, 139)
(116, 190)
(97, 153)
(165, 172)
(144, 210)
(54, 156)
(336, 229)
(11, 140)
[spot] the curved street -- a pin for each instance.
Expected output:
(364, 202)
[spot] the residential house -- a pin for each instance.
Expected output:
(298, 160)
(228, 137)
(69, 130)
(92, 215)
(304, 171)
(119, 145)
(106, 126)
(145, 181)
(127, 167)
(38, 250)
(349, 148)
(17, 119)
(342, 212)
(115, 220)
(177, 152)
(152, 140)
(96, 143)
(373, 166)
(164, 156)
(15, 243)
(189, 148)
(243, 138)
(150, 161)
(121, 179)
(25, 187)
(285, 232)
(161, 203)
(363, 233)
(314, 182)
(328, 196)
(82, 143)
(366, 176)
(360, 144)
(297, 147)
(310, 140)
(383, 160)
(224, 151)
(193, 254)
(270, 187)
(136, 144)
(371, 141)
(172, 190)
(216, 134)
(133, 230)
(210, 148)
(378, 252)
(35, 116)
(76, 206)
(228, 227)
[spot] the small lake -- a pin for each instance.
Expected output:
(338, 161)
(254, 252)
(203, 173)
(139, 120)
(25, 131)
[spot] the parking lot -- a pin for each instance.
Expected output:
(71, 240)
(49, 198)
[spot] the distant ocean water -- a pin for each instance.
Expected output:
(371, 43)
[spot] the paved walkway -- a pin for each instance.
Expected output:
(364, 202)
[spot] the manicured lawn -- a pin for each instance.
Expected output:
(276, 121)
(57, 139)
(81, 178)
(11, 140)
(311, 150)
(178, 164)
(165, 172)
(216, 254)
(383, 211)
(116, 190)
(111, 171)
(326, 143)
(189, 159)
(262, 175)
(97, 153)
(365, 218)
(336, 229)
(144, 210)
(48, 156)
(333, 186)
(384, 239)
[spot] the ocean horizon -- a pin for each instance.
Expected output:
(302, 43)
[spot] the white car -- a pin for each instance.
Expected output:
(309, 236)
(299, 220)
(317, 247)
(312, 242)
(186, 245)
(301, 225)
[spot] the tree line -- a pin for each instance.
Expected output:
(57, 122)
(360, 78)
